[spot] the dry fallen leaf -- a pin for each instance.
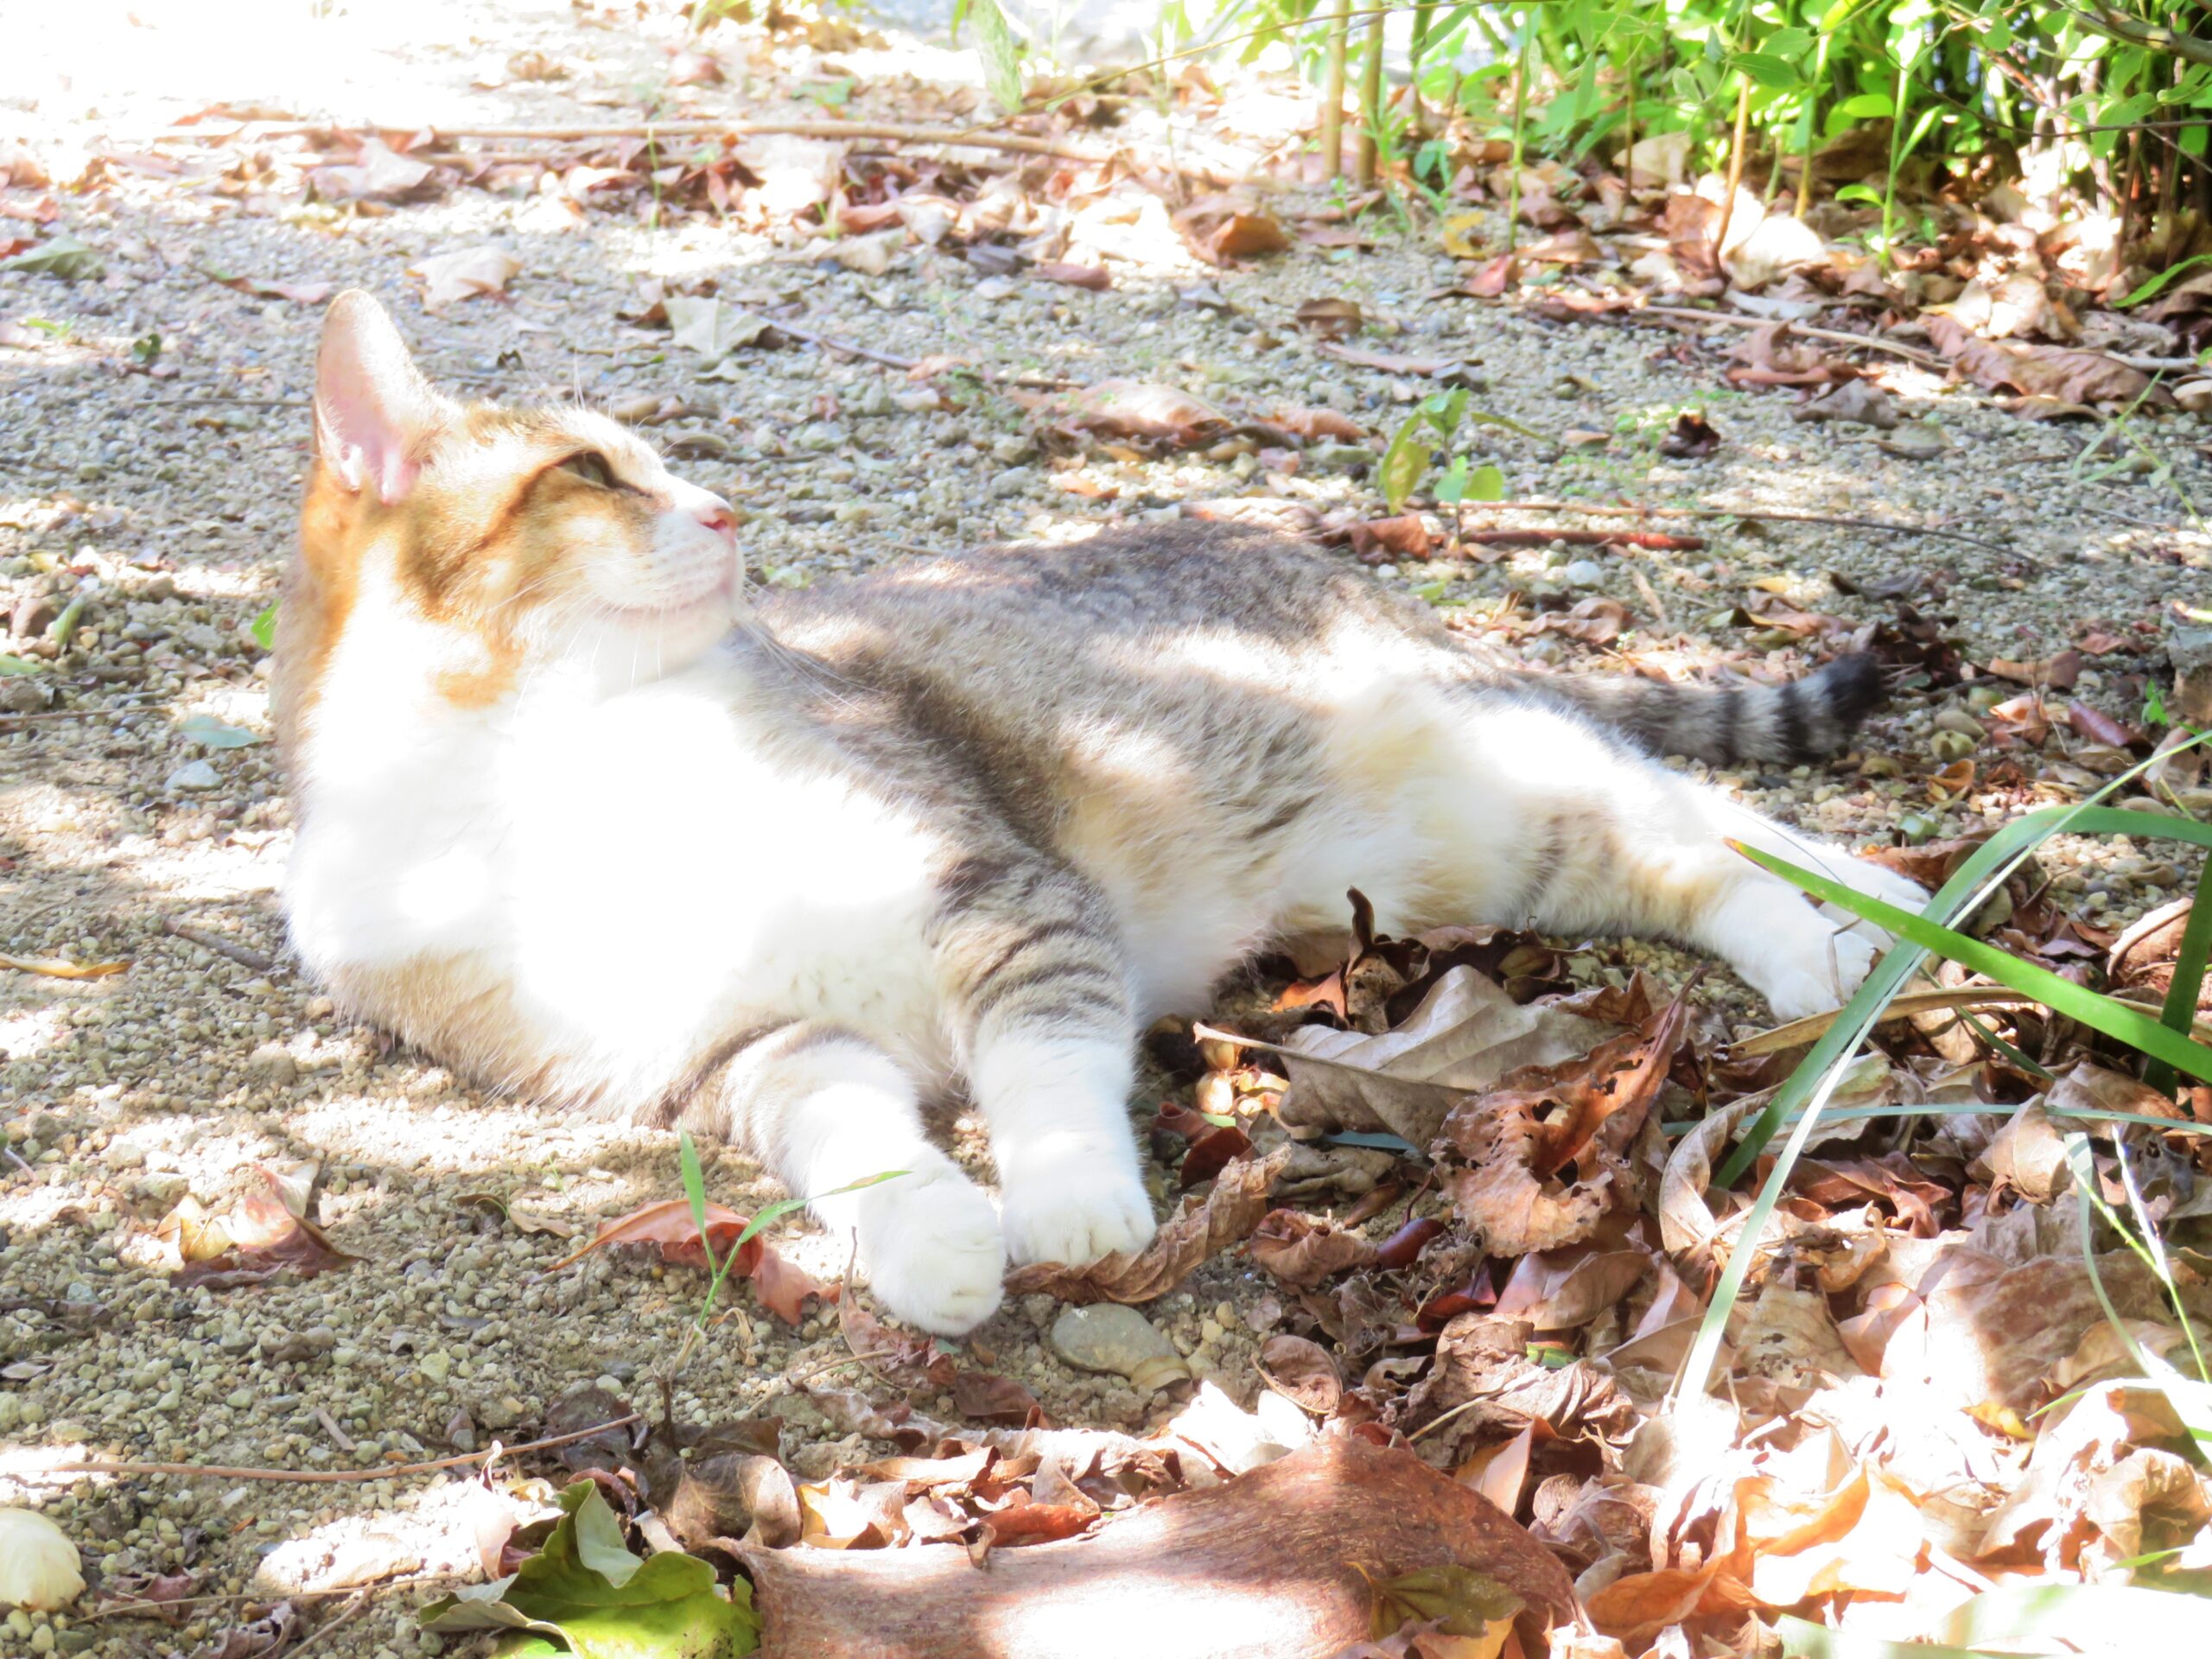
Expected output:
(1302, 1371)
(904, 1359)
(1140, 409)
(1512, 1141)
(2064, 374)
(1302, 1250)
(1200, 1229)
(1264, 1554)
(1310, 423)
(448, 278)
(783, 1289)
(1384, 541)
(1466, 1034)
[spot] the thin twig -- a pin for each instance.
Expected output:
(1730, 319)
(224, 1471)
(1037, 382)
(346, 1615)
(246, 956)
(1552, 535)
(1891, 525)
(649, 131)
(145, 1607)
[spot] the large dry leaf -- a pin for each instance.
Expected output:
(1993, 1335)
(1482, 1374)
(1261, 1563)
(1302, 1250)
(1512, 1142)
(1140, 409)
(378, 173)
(448, 278)
(1866, 1536)
(1563, 1290)
(1200, 1229)
(1464, 1036)
(2070, 375)
(903, 1359)
(783, 1289)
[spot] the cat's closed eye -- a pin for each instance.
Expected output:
(591, 467)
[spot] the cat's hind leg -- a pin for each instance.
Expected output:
(1574, 831)
(823, 1108)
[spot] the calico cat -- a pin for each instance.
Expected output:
(583, 818)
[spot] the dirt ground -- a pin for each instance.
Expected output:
(167, 499)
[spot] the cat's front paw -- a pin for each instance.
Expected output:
(1076, 1209)
(934, 1252)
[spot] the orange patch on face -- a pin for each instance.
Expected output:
(486, 535)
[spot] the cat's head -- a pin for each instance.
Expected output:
(486, 544)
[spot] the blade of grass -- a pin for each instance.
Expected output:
(1814, 1081)
(2180, 1012)
(1969, 889)
(2115, 1019)
(2154, 1250)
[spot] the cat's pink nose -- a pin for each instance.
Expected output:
(717, 518)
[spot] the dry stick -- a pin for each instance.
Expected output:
(654, 130)
(219, 1472)
(1038, 382)
(1332, 92)
(1892, 526)
(1656, 540)
(1730, 319)
(1736, 141)
(244, 956)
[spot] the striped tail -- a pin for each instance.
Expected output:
(1789, 724)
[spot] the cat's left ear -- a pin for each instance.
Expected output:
(373, 411)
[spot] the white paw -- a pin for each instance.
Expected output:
(933, 1251)
(1077, 1206)
(1819, 974)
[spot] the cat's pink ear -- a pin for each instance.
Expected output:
(373, 408)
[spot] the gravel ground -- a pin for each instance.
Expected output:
(168, 502)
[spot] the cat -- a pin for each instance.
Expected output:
(585, 818)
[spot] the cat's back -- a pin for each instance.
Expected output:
(1119, 605)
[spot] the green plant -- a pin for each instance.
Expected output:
(695, 1193)
(2119, 91)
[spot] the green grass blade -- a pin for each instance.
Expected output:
(1961, 895)
(695, 1190)
(2180, 1012)
(2115, 1019)
(1808, 1089)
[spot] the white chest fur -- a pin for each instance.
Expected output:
(632, 866)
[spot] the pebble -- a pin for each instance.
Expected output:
(1107, 1337)
(194, 775)
(1584, 573)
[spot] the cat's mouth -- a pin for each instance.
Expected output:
(720, 590)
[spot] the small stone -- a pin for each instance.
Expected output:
(1107, 1337)
(1583, 573)
(272, 1065)
(1947, 746)
(194, 774)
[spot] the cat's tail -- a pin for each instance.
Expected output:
(1791, 723)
